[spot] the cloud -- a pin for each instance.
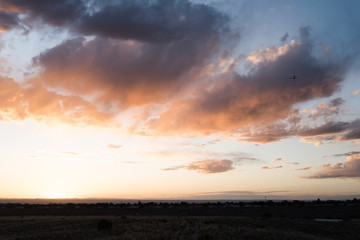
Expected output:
(347, 154)
(340, 131)
(152, 21)
(142, 52)
(326, 110)
(327, 128)
(301, 169)
(270, 54)
(328, 132)
(284, 38)
(18, 102)
(279, 164)
(290, 163)
(174, 55)
(143, 20)
(206, 166)
(264, 95)
(269, 168)
(349, 169)
(131, 162)
(56, 12)
(8, 21)
(276, 160)
(356, 92)
(104, 76)
(70, 153)
(114, 146)
(122, 73)
(268, 133)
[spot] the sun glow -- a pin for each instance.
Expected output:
(57, 195)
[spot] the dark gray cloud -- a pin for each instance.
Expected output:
(160, 61)
(344, 130)
(353, 132)
(330, 131)
(126, 72)
(346, 154)
(8, 21)
(327, 128)
(284, 38)
(55, 12)
(144, 20)
(158, 21)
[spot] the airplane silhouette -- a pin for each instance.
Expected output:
(293, 77)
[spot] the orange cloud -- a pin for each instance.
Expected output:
(269, 168)
(301, 169)
(18, 102)
(349, 169)
(70, 153)
(206, 166)
(276, 160)
(270, 54)
(114, 146)
(264, 96)
(356, 92)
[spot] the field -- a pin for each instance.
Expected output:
(174, 227)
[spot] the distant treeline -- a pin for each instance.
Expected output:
(184, 204)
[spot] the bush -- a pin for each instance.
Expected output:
(104, 224)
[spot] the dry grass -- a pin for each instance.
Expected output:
(173, 227)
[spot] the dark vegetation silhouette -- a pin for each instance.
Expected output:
(104, 225)
(348, 209)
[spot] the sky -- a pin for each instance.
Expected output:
(180, 99)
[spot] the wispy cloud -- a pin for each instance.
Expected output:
(114, 146)
(206, 166)
(290, 163)
(130, 162)
(301, 169)
(347, 154)
(318, 134)
(70, 153)
(269, 168)
(326, 110)
(276, 160)
(356, 92)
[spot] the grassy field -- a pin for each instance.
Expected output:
(174, 227)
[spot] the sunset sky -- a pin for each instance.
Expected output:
(180, 99)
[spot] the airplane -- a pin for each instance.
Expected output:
(293, 77)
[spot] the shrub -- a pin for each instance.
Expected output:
(104, 224)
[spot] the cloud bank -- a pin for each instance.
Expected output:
(171, 63)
